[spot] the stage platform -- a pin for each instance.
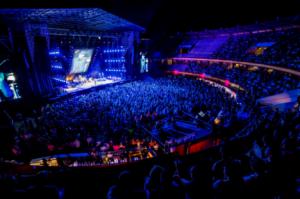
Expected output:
(89, 84)
(87, 87)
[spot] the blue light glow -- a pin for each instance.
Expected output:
(114, 60)
(56, 67)
(54, 53)
(115, 70)
(115, 50)
(59, 80)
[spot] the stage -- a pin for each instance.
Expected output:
(89, 84)
(86, 87)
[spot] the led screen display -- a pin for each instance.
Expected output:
(81, 60)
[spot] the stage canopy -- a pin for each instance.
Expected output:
(80, 19)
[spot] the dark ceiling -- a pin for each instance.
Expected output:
(91, 19)
(184, 15)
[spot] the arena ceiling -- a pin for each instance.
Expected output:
(158, 16)
(92, 19)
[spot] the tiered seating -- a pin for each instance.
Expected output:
(283, 51)
(274, 43)
(205, 47)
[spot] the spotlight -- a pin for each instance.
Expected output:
(227, 82)
(217, 121)
(202, 75)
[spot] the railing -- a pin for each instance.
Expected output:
(154, 137)
(96, 159)
(211, 79)
(278, 68)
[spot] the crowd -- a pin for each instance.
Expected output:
(257, 82)
(111, 119)
(261, 162)
(283, 50)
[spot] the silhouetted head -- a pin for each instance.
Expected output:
(156, 173)
(125, 178)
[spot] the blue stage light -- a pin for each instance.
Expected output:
(56, 66)
(59, 80)
(54, 53)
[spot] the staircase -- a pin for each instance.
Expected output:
(206, 47)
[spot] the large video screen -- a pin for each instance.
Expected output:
(143, 62)
(81, 60)
(9, 88)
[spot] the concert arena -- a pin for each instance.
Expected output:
(97, 103)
